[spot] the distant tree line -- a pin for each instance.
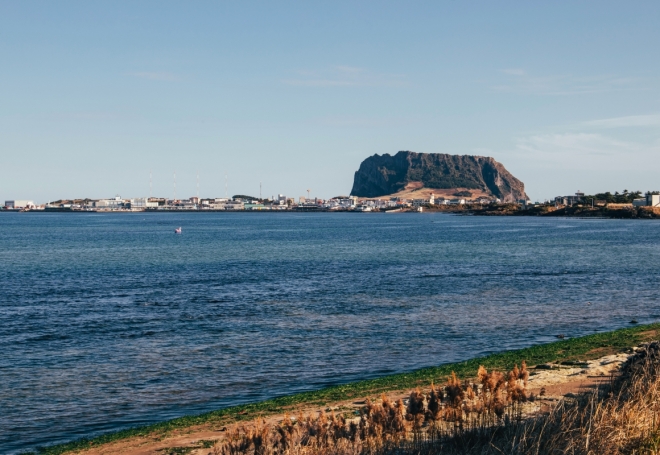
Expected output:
(250, 198)
(625, 197)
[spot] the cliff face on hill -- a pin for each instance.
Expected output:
(382, 175)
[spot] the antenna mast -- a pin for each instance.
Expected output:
(197, 186)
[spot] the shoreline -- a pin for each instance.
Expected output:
(579, 349)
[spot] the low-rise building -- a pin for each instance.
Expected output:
(280, 200)
(187, 204)
(570, 200)
(339, 203)
(109, 204)
(19, 204)
(234, 205)
(651, 200)
(143, 203)
(309, 206)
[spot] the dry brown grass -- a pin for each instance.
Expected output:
(484, 417)
(442, 413)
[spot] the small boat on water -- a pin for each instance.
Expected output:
(177, 230)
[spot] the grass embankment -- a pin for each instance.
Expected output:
(574, 349)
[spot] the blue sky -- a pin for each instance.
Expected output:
(95, 95)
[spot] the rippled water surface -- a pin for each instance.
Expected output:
(109, 321)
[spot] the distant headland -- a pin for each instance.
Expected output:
(413, 174)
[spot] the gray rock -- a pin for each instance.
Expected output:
(381, 175)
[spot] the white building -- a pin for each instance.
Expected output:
(651, 200)
(350, 202)
(114, 203)
(19, 204)
(143, 203)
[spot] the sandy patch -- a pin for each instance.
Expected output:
(586, 372)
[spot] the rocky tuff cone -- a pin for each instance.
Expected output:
(384, 175)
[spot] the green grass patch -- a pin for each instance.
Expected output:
(574, 349)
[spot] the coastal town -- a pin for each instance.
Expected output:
(243, 203)
(462, 201)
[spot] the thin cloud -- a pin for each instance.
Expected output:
(320, 83)
(156, 76)
(345, 76)
(627, 121)
(362, 122)
(519, 81)
(92, 116)
(571, 143)
(585, 151)
(514, 71)
(350, 69)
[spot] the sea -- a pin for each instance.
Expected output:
(111, 321)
